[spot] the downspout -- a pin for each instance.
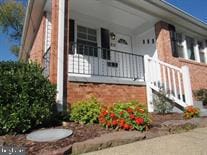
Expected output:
(60, 59)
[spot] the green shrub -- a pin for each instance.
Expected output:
(86, 111)
(201, 95)
(161, 104)
(128, 116)
(27, 99)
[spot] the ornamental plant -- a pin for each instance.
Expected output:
(127, 116)
(201, 95)
(86, 111)
(191, 112)
(161, 104)
(27, 98)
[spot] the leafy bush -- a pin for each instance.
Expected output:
(86, 111)
(27, 99)
(191, 112)
(128, 116)
(201, 95)
(161, 104)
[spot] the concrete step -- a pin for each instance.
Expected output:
(203, 112)
(198, 104)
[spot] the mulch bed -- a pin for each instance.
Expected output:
(157, 119)
(80, 133)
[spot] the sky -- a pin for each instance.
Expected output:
(196, 8)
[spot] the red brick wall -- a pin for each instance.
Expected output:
(198, 71)
(54, 42)
(106, 93)
(36, 53)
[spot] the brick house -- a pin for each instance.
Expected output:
(116, 50)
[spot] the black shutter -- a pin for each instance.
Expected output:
(105, 43)
(173, 40)
(72, 36)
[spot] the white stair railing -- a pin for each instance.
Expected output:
(173, 81)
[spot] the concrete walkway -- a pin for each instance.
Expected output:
(189, 143)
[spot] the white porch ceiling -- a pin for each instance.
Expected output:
(112, 11)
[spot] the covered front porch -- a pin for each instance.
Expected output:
(108, 41)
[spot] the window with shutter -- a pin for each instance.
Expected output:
(179, 45)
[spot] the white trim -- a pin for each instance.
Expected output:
(184, 43)
(148, 89)
(187, 85)
(196, 51)
(102, 79)
(60, 60)
(47, 31)
(205, 51)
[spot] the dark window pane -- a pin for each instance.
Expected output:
(82, 29)
(82, 36)
(106, 54)
(87, 48)
(190, 47)
(91, 32)
(92, 38)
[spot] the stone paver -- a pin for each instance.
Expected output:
(48, 135)
(189, 143)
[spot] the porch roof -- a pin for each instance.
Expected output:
(158, 8)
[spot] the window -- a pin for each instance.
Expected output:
(179, 45)
(143, 41)
(190, 47)
(87, 41)
(201, 51)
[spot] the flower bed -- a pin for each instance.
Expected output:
(127, 116)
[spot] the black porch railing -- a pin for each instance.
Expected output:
(96, 61)
(46, 63)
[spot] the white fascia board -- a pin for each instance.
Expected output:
(32, 22)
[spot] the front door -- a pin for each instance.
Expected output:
(121, 42)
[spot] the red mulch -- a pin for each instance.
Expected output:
(80, 133)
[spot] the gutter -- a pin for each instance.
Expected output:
(25, 28)
(179, 12)
(195, 19)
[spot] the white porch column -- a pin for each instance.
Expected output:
(60, 59)
(187, 85)
(184, 43)
(148, 89)
(205, 50)
(196, 51)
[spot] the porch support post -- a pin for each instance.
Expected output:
(205, 50)
(148, 89)
(187, 85)
(196, 51)
(57, 50)
(60, 63)
(184, 43)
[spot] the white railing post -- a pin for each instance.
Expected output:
(147, 80)
(187, 85)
